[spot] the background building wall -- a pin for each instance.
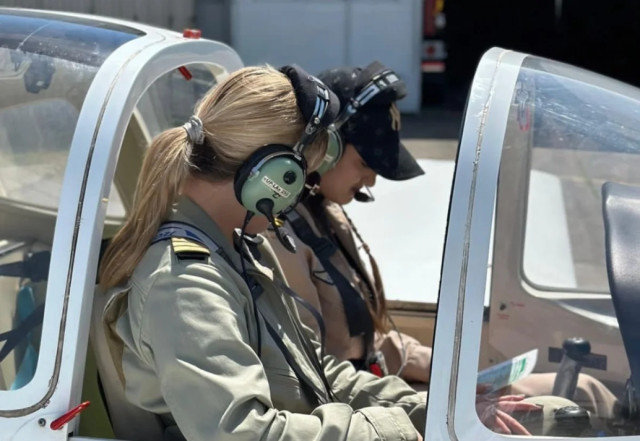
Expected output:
(316, 34)
(320, 34)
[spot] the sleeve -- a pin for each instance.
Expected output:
(362, 389)
(196, 323)
(396, 346)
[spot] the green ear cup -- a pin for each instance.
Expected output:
(333, 154)
(280, 179)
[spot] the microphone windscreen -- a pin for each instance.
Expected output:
(362, 197)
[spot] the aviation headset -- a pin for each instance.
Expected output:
(382, 79)
(273, 177)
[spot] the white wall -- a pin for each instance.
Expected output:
(319, 34)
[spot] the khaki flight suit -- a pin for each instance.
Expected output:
(183, 332)
(308, 278)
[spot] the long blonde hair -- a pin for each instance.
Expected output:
(254, 106)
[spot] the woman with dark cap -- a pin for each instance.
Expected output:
(327, 269)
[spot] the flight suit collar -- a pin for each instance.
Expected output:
(186, 210)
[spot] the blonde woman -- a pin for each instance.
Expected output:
(204, 331)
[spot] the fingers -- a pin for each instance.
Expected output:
(494, 412)
(511, 423)
(515, 406)
(499, 426)
(486, 413)
(518, 397)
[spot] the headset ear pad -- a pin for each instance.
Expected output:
(335, 148)
(272, 172)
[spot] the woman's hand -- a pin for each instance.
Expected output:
(494, 412)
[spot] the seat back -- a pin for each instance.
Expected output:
(23, 274)
(129, 422)
(621, 211)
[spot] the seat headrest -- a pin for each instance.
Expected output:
(621, 211)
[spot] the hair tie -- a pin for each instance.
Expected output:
(195, 130)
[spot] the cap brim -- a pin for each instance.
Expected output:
(406, 168)
(372, 134)
(398, 164)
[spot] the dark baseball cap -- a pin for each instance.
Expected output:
(374, 130)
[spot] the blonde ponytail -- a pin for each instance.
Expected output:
(252, 107)
(163, 173)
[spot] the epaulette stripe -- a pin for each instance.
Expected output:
(188, 249)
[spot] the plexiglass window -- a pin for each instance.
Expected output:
(46, 68)
(168, 102)
(564, 282)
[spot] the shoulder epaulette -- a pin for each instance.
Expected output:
(189, 249)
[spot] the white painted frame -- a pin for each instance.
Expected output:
(451, 413)
(108, 105)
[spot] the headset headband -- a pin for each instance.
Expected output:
(318, 104)
(317, 117)
(377, 84)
